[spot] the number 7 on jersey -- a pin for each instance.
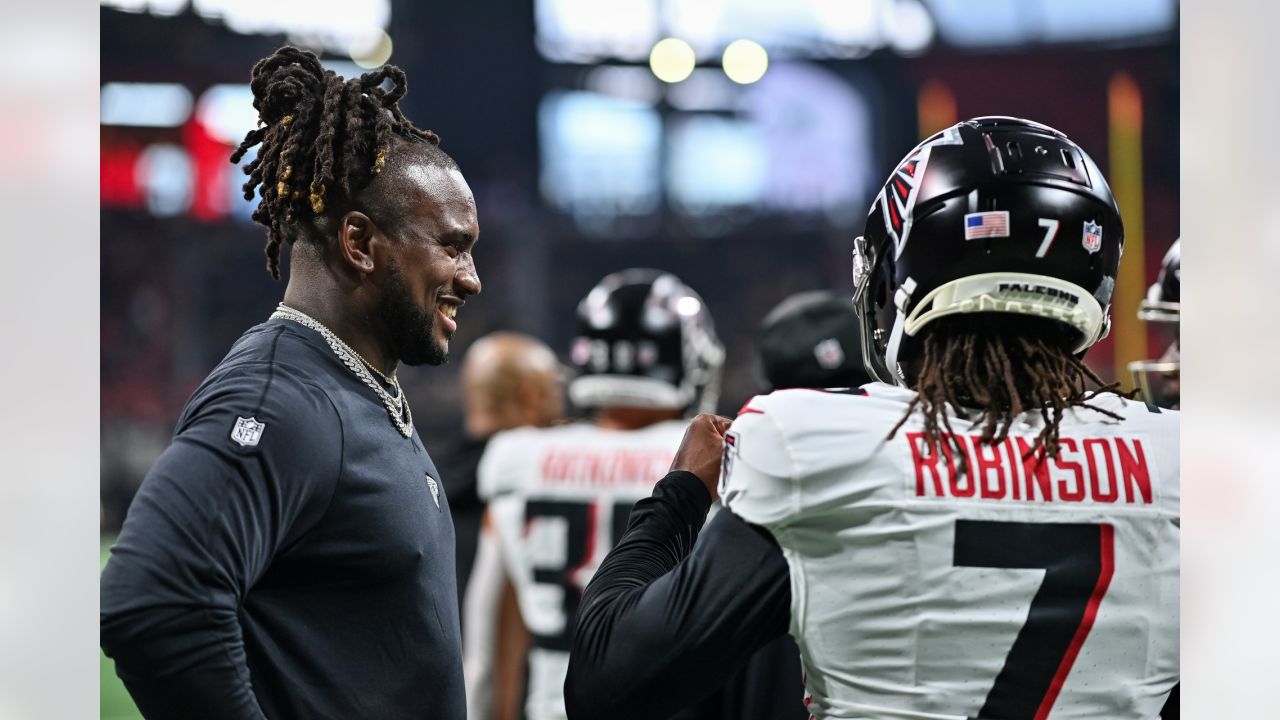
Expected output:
(1078, 560)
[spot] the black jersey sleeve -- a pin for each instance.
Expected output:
(208, 519)
(669, 616)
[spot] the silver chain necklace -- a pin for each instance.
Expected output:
(397, 406)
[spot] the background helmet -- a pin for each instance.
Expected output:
(994, 214)
(810, 340)
(1164, 297)
(1159, 378)
(645, 339)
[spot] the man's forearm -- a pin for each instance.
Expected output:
(182, 662)
(172, 589)
(661, 532)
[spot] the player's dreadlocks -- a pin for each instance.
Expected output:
(1004, 365)
(323, 139)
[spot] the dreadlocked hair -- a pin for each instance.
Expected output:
(1003, 365)
(322, 139)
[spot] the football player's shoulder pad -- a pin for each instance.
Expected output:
(505, 462)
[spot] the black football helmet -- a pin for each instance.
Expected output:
(994, 214)
(1164, 298)
(645, 339)
(1158, 378)
(810, 340)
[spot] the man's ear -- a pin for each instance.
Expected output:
(355, 236)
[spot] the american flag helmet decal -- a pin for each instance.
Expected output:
(990, 224)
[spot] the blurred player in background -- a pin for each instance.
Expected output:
(291, 554)
(1158, 380)
(646, 355)
(810, 340)
(978, 534)
(509, 380)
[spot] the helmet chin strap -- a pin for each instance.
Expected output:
(900, 300)
(891, 351)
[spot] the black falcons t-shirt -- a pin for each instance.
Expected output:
(290, 555)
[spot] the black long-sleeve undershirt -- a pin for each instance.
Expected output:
(670, 616)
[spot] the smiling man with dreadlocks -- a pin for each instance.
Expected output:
(977, 535)
(291, 554)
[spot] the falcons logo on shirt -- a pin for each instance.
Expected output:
(898, 197)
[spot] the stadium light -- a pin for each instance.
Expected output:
(672, 60)
(373, 51)
(745, 61)
(911, 28)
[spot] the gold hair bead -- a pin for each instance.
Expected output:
(317, 200)
(380, 161)
(286, 119)
(282, 189)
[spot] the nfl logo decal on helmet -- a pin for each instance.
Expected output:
(1092, 237)
(828, 353)
(966, 223)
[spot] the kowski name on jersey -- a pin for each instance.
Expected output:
(1022, 588)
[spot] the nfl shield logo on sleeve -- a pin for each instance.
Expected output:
(247, 432)
(1092, 237)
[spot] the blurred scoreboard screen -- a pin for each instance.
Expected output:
(617, 143)
(798, 141)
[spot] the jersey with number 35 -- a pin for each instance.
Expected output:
(968, 580)
(559, 499)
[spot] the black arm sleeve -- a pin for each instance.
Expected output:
(664, 622)
(207, 521)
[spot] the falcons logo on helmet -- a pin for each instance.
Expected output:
(898, 197)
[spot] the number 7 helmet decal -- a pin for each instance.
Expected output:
(966, 223)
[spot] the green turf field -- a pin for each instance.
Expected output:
(113, 699)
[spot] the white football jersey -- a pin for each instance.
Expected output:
(559, 499)
(1019, 590)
